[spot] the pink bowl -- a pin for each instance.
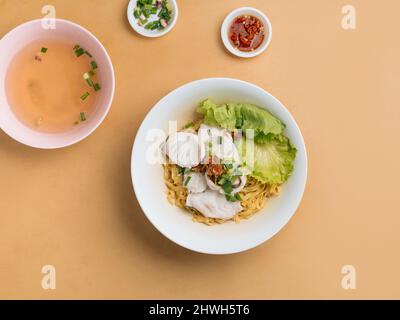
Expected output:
(21, 36)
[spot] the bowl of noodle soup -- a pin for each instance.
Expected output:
(158, 185)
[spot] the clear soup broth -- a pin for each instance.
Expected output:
(47, 85)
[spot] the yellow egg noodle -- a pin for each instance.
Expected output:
(253, 196)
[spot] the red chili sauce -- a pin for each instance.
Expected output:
(246, 33)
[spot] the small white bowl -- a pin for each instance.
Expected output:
(21, 36)
(152, 33)
(246, 11)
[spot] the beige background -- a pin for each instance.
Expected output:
(75, 208)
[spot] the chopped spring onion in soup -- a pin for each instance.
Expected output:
(85, 95)
(83, 116)
(79, 52)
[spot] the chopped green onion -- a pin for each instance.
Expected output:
(76, 47)
(146, 13)
(88, 54)
(91, 73)
(97, 87)
(150, 25)
(187, 181)
(228, 166)
(84, 96)
(79, 52)
(156, 25)
(219, 139)
(181, 170)
(233, 198)
(94, 65)
(90, 82)
(86, 76)
(221, 181)
(43, 50)
(227, 187)
(136, 13)
(189, 125)
(83, 116)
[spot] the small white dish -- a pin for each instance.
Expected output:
(246, 11)
(175, 223)
(152, 33)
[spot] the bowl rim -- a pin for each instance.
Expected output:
(86, 134)
(146, 33)
(228, 20)
(154, 222)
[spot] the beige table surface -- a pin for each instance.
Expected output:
(75, 209)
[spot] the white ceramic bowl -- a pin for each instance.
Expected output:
(152, 33)
(176, 224)
(21, 36)
(246, 11)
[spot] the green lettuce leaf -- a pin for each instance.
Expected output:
(271, 161)
(241, 116)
